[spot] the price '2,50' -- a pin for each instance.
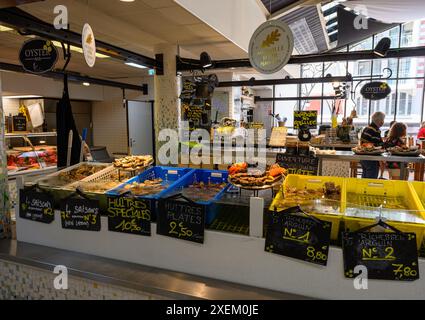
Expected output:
(180, 230)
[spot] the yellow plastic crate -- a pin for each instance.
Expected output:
(420, 191)
(402, 207)
(325, 210)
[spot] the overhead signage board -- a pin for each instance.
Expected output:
(376, 90)
(38, 56)
(89, 45)
(271, 47)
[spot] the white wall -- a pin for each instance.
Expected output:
(261, 111)
(235, 19)
(109, 117)
(10, 106)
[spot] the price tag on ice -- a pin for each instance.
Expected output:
(36, 206)
(80, 214)
(129, 215)
(299, 237)
(181, 220)
(386, 255)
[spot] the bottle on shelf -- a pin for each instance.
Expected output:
(10, 123)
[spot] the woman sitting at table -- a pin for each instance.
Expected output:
(395, 139)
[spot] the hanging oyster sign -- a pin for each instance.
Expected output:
(38, 56)
(271, 47)
(89, 45)
(376, 90)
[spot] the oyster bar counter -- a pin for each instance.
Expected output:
(346, 203)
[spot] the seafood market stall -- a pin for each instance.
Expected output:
(208, 223)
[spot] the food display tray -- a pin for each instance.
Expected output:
(370, 194)
(169, 175)
(406, 154)
(61, 191)
(49, 181)
(323, 209)
(255, 188)
(201, 175)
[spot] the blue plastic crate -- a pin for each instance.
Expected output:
(169, 175)
(200, 175)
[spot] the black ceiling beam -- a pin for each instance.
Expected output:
(75, 77)
(271, 82)
(259, 99)
(184, 64)
(28, 24)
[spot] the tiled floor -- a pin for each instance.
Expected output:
(26, 272)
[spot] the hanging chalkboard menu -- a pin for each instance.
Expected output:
(182, 220)
(189, 91)
(36, 206)
(301, 237)
(305, 118)
(80, 214)
(387, 256)
(129, 215)
(297, 164)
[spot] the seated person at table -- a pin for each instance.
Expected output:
(372, 135)
(395, 139)
(421, 134)
(386, 133)
(382, 164)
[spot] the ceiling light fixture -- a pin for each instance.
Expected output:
(382, 47)
(22, 97)
(135, 65)
(86, 84)
(127, 0)
(205, 60)
(5, 29)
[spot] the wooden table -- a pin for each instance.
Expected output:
(351, 156)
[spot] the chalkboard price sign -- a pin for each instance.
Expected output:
(181, 220)
(36, 206)
(129, 215)
(297, 164)
(80, 214)
(307, 118)
(19, 123)
(387, 256)
(300, 237)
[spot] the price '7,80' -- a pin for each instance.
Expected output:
(400, 271)
(180, 230)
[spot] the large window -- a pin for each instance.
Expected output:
(406, 101)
